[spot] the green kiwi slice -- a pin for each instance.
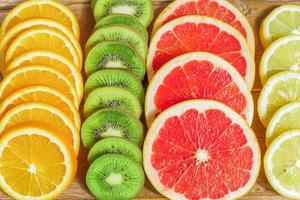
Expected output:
(111, 123)
(115, 77)
(141, 9)
(112, 97)
(114, 55)
(115, 145)
(115, 177)
(118, 33)
(122, 19)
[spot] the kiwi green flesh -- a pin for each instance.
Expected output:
(115, 77)
(114, 55)
(141, 9)
(115, 177)
(107, 123)
(115, 145)
(118, 33)
(123, 19)
(112, 97)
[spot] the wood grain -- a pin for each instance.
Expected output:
(254, 10)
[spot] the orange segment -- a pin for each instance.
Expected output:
(35, 23)
(43, 39)
(41, 94)
(44, 114)
(35, 162)
(44, 9)
(37, 75)
(53, 60)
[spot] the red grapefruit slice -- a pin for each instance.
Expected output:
(219, 9)
(201, 149)
(198, 75)
(196, 33)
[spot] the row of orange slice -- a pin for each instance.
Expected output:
(40, 93)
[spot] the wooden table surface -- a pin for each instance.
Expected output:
(254, 10)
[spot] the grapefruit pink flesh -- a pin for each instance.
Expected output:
(201, 150)
(198, 76)
(195, 33)
(219, 9)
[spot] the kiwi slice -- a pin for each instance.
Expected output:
(115, 177)
(112, 97)
(122, 19)
(115, 145)
(114, 55)
(111, 123)
(118, 33)
(141, 9)
(115, 77)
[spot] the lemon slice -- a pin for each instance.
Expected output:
(280, 89)
(282, 21)
(285, 119)
(282, 55)
(282, 164)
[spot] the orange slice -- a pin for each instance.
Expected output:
(44, 9)
(44, 114)
(35, 162)
(53, 60)
(37, 75)
(41, 94)
(43, 39)
(35, 23)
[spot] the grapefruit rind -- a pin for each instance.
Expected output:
(175, 4)
(150, 108)
(200, 106)
(245, 50)
(275, 146)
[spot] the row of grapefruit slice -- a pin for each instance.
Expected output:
(40, 94)
(198, 104)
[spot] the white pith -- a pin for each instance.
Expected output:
(150, 107)
(245, 50)
(200, 106)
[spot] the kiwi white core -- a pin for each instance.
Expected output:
(112, 132)
(114, 179)
(123, 9)
(202, 156)
(298, 163)
(32, 169)
(115, 64)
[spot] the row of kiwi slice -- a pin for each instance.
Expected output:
(114, 95)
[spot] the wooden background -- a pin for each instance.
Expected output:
(254, 10)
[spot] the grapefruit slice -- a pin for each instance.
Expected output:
(197, 33)
(198, 75)
(219, 9)
(201, 149)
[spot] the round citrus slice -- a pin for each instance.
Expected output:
(40, 9)
(275, 59)
(41, 94)
(197, 33)
(285, 119)
(198, 76)
(35, 23)
(50, 59)
(45, 39)
(44, 114)
(36, 162)
(201, 149)
(34, 75)
(282, 21)
(281, 89)
(219, 9)
(282, 164)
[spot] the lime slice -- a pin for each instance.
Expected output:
(281, 89)
(282, 21)
(282, 55)
(285, 119)
(282, 164)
